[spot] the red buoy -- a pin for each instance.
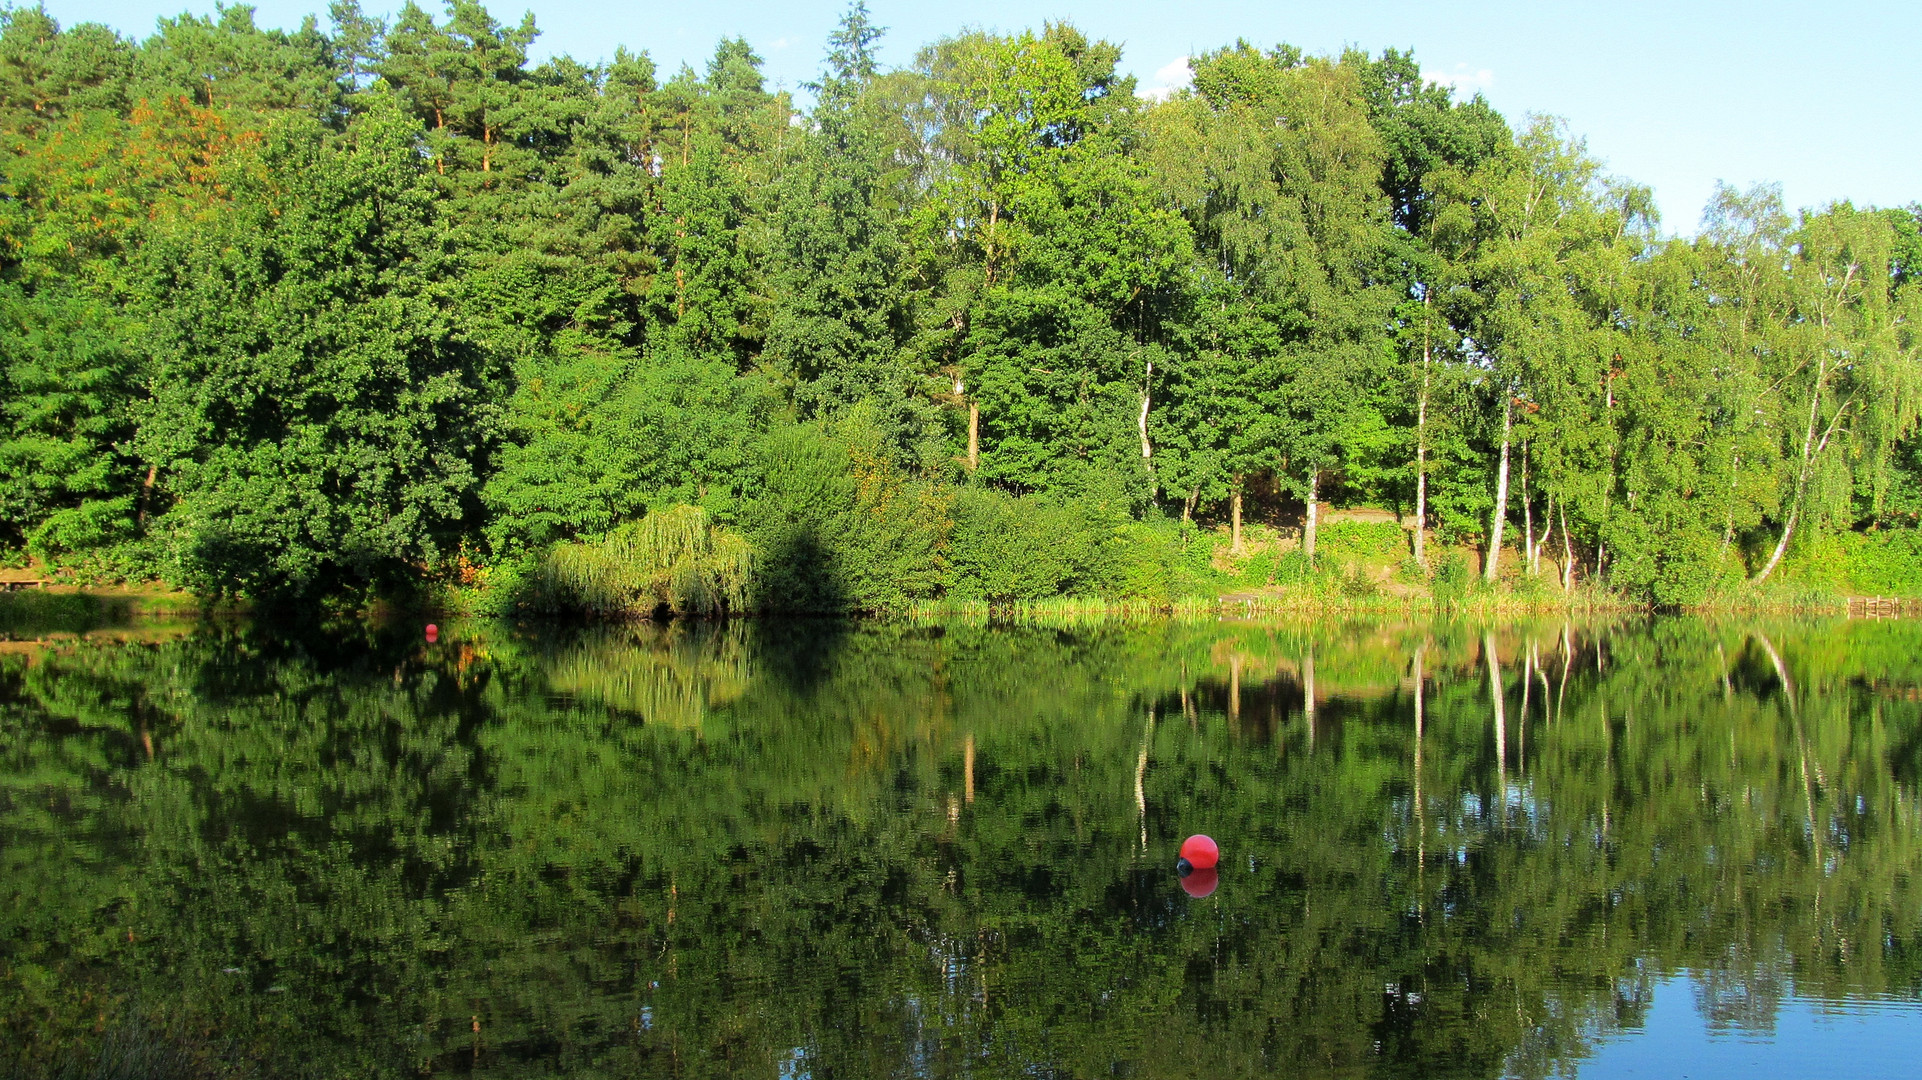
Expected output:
(433, 633)
(1199, 852)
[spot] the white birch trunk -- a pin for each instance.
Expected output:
(1147, 448)
(1494, 562)
(1802, 472)
(1314, 509)
(1234, 517)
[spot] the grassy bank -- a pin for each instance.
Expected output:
(30, 614)
(684, 564)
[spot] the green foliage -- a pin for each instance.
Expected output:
(1886, 562)
(1013, 549)
(840, 525)
(357, 309)
(1451, 579)
(598, 437)
(66, 482)
(1375, 541)
(675, 558)
(312, 408)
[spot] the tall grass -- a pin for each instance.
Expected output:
(676, 559)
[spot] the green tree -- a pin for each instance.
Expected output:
(315, 409)
(839, 318)
(1044, 263)
(1274, 161)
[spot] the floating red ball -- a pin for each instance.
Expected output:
(1201, 852)
(433, 633)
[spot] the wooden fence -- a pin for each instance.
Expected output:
(1883, 607)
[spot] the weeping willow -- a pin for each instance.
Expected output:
(676, 559)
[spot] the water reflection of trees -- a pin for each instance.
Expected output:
(942, 849)
(663, 674)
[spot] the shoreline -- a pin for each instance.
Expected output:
(105, 606)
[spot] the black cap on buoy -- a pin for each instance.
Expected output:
(1183, 867)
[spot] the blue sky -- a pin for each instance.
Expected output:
(1820, 97)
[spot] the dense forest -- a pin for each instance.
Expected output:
(385, 306)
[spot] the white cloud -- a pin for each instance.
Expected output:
(1170, 77)
(778, 44)
(1462, 80)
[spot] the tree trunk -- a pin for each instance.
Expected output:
(1234, 515)
(1421, 447)
(1802, 473)
(1548, 532)
(1788, 530)
(1188, 504)
(974, 435)
(1313, 515)
(1147, 448)
(146, 493)
(1568, 552)
(1493, 565)
(1528, 519)
(1728, 524)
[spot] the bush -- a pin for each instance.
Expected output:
(839, 525)
(1010, 549)
(1451, 579)
(1885, 562)
(1374, 541)
(676, 559)
(1675, 563)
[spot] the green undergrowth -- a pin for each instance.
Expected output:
(890, 545)
(1884, 562)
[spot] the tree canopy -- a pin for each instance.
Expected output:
(378, 304)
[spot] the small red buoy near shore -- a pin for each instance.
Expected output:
(433, 633)
(1198, 852)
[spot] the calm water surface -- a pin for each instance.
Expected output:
(1669, 848)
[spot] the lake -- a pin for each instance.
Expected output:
(1648, 847)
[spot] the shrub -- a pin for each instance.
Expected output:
(1141, 560)
(1884, 562)
(1375, 541)
(675, 558)
(839, 525)
(1010, 549)
(1451, 579)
